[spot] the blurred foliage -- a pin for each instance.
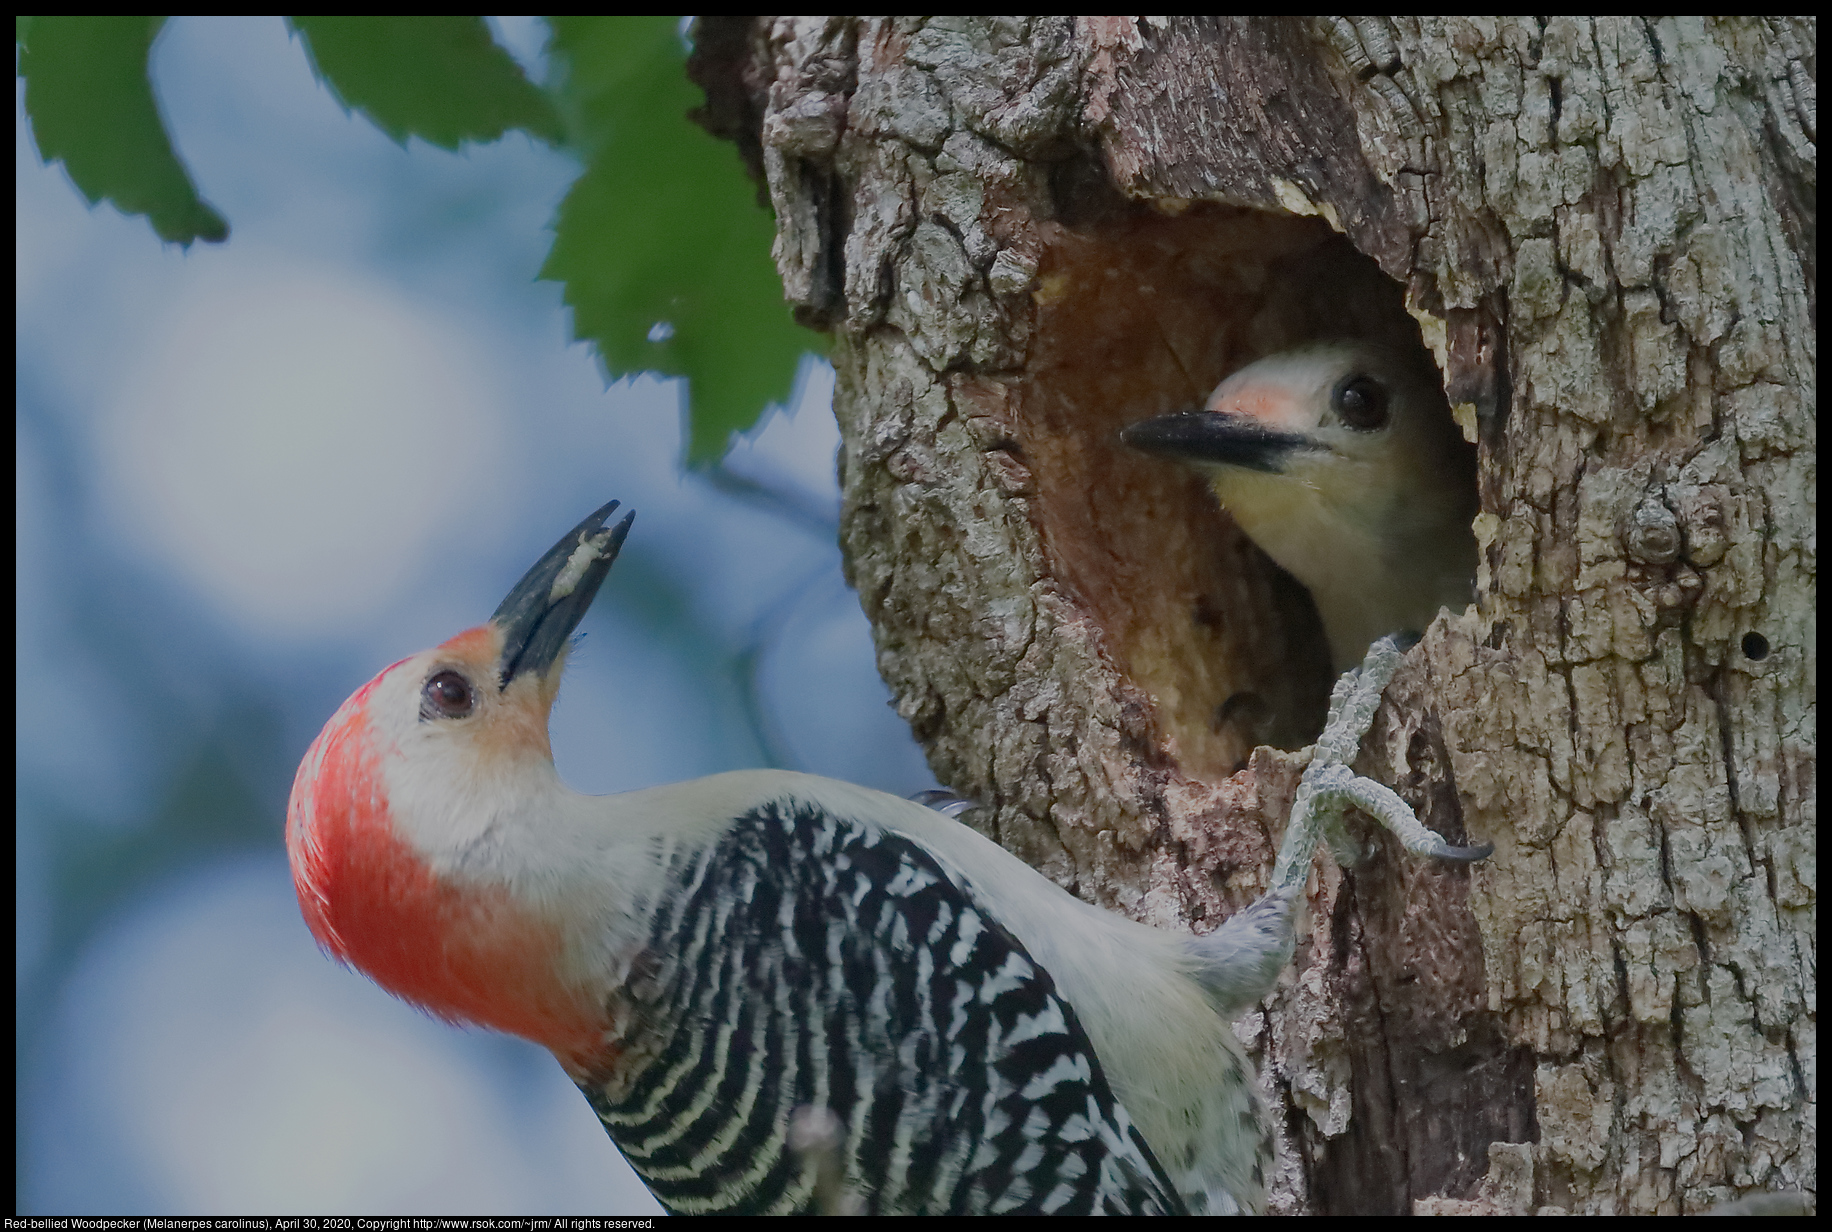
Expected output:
(660, 245)
(663, 228)
(92, 108)
(441, 79)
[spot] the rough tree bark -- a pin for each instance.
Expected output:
(1024, 233)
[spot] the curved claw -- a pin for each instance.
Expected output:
(945, 802)
(1464, 855)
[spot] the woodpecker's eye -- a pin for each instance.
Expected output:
(1361, 401)
(447, 696)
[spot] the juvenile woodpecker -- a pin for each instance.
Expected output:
(708, 958)
(1341, 460)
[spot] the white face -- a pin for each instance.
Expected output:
(461, 757)
(1373, 424)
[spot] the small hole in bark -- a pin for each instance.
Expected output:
(1418, 751)
(1755, 647)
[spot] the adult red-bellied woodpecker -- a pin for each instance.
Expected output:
(1341, 460)
(706, 958)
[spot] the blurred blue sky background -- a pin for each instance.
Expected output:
(251, 476)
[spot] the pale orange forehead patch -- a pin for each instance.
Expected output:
(514, 725)
(1269, 403)
(481, 644)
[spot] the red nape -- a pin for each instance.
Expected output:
(465, 953)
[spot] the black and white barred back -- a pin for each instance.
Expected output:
(808, 959)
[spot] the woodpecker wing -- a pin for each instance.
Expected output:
(832, 962)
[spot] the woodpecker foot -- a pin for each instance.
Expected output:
(1329, 786)
(1240, 961)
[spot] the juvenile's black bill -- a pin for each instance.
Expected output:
(1215, 436)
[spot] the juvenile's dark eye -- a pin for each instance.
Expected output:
(1361, 401)
(446, 696)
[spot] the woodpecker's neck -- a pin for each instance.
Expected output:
(1369, 575)
(457, 892)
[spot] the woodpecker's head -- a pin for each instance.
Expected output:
(1342, 461)
(410, 804)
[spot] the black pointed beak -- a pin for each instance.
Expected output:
(1216, 437)
(552, 598)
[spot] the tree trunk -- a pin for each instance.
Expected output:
(1025, 233)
